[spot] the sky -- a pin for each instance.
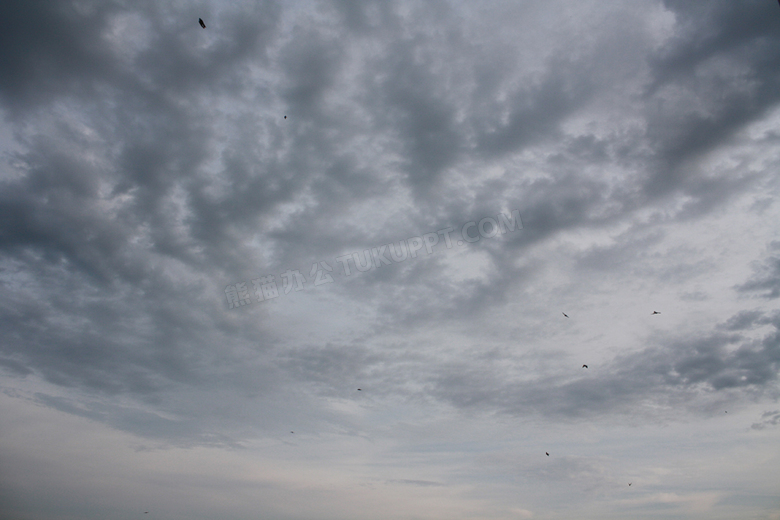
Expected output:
(347, 260)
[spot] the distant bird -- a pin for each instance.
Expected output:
(292, 432)
(546, 453)
(629, 484)
(656, 312)
(286, 116)
(727, 410)
(567, 314)
(201, 23)
(584, 366)
(359, 390)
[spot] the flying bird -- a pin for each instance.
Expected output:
(656, 312)
(201, 23)
(584, 366)
(286, 116)
(567, 314)
(359, 389)
(546, 453)
(629, 484)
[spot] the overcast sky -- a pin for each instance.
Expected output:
(187, 277)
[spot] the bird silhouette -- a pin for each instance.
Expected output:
(656, 312)
(584, 366)
(285, 117)
(359, 390)
(546, 453)
(201, 23)
(567, 314)
(629, 484)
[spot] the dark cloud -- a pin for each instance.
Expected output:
(767, 275)
(678, 372)
(742, 321)
(768, 419)
(15, 367)
(714, 77)
(63, 55)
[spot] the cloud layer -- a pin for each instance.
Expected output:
(147, 165)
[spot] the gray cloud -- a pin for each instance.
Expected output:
(681, 371)
(767, 276)
(767, 419)
(139, 204)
